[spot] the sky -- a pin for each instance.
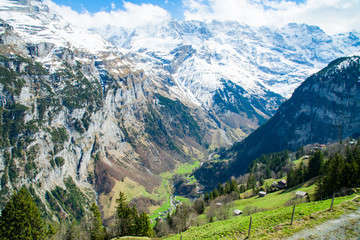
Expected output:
(333, 16)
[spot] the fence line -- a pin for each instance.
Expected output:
(293, 212)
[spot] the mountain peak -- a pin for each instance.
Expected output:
(37, 23)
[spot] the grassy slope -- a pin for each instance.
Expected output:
(132, 238)
(275, 199)
(128, 187)
(273, 224)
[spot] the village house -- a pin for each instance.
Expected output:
(262, 194)
(237, 212)
(219, 204)
(281, 184)
(301, 194)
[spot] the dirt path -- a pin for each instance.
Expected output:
(345, 227)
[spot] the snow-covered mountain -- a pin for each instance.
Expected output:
(199, 56)
(36, 23)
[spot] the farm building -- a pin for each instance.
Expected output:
(301, 194)
(281, 184)
(237, 212)
(262, 194)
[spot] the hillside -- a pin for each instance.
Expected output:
(274, 224)
(324, 108)
(326, 103)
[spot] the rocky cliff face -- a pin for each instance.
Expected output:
(74, 117)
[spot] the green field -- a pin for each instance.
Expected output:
(275, 199)
(132, 238)
(182, 199)
(186, 168)
(164, 191)
(274, 224)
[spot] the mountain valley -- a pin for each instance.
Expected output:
(103, 110)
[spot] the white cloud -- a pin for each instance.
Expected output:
(132, 16)
(113, 6)
(333, 16)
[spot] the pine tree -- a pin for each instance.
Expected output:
(97, 231)
(21, 218)
(262, 181)
(130, 223)
(143, 226)
(206, 197)
(251, 181)
(290, 178)
(315, 164)
(125, 216)
(234, 186)
(215, 193)
(221, 189)
(202, 207)
(211, 197)
(227, 187)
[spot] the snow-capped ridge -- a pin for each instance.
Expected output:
(37, 23)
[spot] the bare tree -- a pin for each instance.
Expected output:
(219, 212)
(182, 218)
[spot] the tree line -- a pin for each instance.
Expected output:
(230, 187)
(21, 219)
(338, 172)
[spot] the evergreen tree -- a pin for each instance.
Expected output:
(330, 182)
(211, 196)
(227, 187)
(268, 171)
(215, 193)
(251, 181)
(315, 164)
(290, 178)
(234, 186)
(73, 231)
(221, 189)
(143, 225)
(21, 218)
(130, 223)
(262, 181)
(125, 217)
(202, 207)
(206, 197)
(97, 231)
